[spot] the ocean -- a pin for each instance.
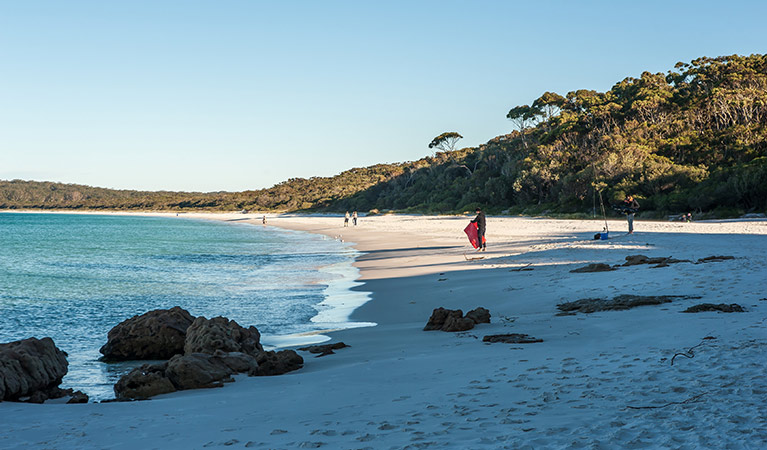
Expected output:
(73, 277)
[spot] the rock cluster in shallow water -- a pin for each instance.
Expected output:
(31, 370)
(157, 334)
(212, 351)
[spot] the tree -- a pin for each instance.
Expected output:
(523, 115)
(550, 103)
(445, 141)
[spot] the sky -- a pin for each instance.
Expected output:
(235, 95)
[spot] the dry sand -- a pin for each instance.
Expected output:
(602, 380)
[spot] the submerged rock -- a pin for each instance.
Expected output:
(157, 334)
(31, 368)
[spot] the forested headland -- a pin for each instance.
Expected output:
(693, 139)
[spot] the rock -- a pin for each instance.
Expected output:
(197, 370)
(621, 302)
(479, 315)
(78, 397)
(238, 362)
(325, 349)
(193, 371)
(709, 259)
(722, 307)
(277, 363)
(455, 324)
(157, 334)
(439, 316)
(31, 367)
(594, 267)
(220, 333)
(452, 320)
(635, 260)
(513, 338)
(143, 382)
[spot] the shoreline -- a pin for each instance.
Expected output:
(398, 386)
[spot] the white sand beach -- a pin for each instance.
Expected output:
(603, 380)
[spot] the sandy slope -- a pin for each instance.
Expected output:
(400, 387)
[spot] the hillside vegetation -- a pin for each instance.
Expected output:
(693, 139)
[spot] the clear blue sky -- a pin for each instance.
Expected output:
(234, 95)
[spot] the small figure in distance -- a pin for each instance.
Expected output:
(346, 219)
(630, 207)
(354, 218)
(689, 217)
(481, 222)
(263, 220)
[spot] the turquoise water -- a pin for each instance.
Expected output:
(74, 277)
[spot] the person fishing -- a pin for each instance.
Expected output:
(481, 223)
(630, 207)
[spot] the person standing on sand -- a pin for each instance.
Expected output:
(263, 220)
(480, 221)
(630, 207)
(354, 218)
(346, 219)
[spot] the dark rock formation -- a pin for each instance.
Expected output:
(144, 382)
(635, 260)
(621, 302)
(220, 333)
(709, 259)
(192, 371)
(158, 334)
(325, 349)
(439, 316)
(197, 370)
(513, 338)
(479, 315)
(453, 320)
(31, 368)
(78, 397)
(454, 323)
(722, 307)
(594, 267)
(277, 363)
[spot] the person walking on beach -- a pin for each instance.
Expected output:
(480, 221)
(354, 218)
(346, 219)
(263, 220)
(630, 207)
